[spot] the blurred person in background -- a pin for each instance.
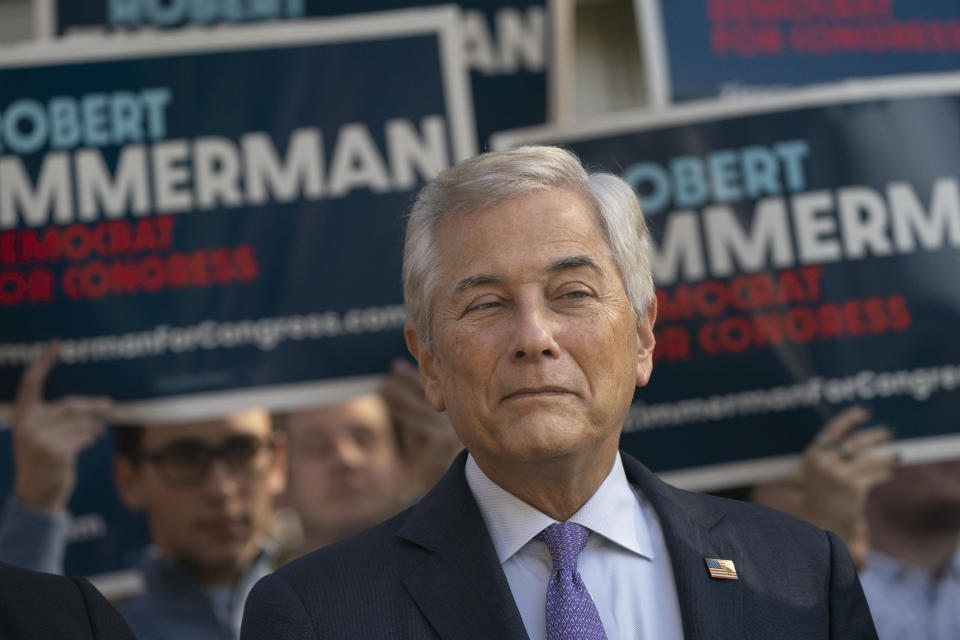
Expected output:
(208, 489)
(912, 574)
(356, 463)
(837, 472)
(428, 442)
(900, 523)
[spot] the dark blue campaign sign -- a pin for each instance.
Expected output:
(805, 256)
(506, 42)
(211, 220)
(729, 47)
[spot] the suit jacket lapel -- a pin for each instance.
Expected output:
(460, 587)
(710, 607)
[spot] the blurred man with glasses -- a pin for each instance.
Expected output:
(208, 490)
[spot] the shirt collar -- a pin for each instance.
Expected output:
(614, 512)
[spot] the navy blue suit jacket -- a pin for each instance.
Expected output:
(432, 572)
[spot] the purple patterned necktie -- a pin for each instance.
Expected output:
(571, 614)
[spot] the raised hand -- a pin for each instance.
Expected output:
(48, 437)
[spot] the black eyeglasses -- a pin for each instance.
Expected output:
(186, 462)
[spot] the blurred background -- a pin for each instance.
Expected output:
(203, 201)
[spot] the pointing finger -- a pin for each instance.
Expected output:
(31, 384)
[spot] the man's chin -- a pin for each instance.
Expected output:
(221, 564)
(222, 547)
(546, 436)
(226, 551)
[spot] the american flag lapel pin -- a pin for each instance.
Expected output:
(719, 568)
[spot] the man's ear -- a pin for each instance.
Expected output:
(645, 344)
(128, 478)
(427, 365)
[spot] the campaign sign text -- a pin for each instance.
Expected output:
(805, 259)
(197, 216)
(734, 47)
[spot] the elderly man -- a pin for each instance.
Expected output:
(532, 310)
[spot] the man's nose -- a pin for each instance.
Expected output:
(533, 334)
(348, 453)
(220, 479)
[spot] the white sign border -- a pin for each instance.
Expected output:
(850, 91)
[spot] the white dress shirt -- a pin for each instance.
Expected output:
(625, 565)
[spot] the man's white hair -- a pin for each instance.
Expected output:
(492, 178)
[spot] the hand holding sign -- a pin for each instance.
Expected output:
(839, 470)
(48, 437)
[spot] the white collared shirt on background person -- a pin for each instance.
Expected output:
(625, 565)
(910, 602)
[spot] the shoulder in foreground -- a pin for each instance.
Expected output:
(744, 511)
(43, 605)
(24, 583)
(708, 510)
(747, 519)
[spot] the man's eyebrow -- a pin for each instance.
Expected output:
(476, 280)
(574, 262)
(569, 262)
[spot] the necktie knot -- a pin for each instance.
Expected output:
(565, 541)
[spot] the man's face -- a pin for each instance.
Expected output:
(536, 349)
(345, 470)
(925, 495)
(214, 524)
